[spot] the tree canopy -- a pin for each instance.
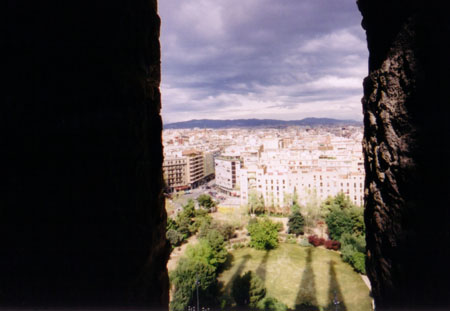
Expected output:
(296, 223)
(205, 201)
(263, 234)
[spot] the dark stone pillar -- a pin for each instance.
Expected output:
(82, 215)
(407, 154)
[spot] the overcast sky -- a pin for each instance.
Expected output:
(277, 59)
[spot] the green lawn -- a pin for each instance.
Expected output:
(295, 275)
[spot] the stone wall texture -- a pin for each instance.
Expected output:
(406, 146)
(82, 215)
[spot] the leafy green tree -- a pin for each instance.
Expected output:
(189, 209)
(183, 223)
(345, 223)
(184, 279)
(349, 220)
(201, 251)
(296, 223)
(340, 201)
(358, 242)
(295, 207)
(217, 244)
(205, 201)
(263, 234)
(175, 238)
(338, 222)
(257, 289)
(171, 224)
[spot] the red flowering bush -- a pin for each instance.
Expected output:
(315, 240)
(332, 244)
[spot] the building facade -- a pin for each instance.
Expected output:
(227, 173)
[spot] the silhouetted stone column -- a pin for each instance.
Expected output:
(407, 153)
(82, 213)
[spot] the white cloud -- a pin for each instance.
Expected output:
(343, 40)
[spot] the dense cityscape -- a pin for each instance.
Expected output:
(275, 163)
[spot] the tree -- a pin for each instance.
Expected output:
(257, 289)
(175, 238)
(263, 234)
(183, 223)
(349, 220)
(311, 210)
(205, 201)
(296, 223)
(189, 209)
(171, 224)
(256, 203)
(217, 244)
(241, 288)
(184, 279)
(248, 289)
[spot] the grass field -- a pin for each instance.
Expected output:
(295, 275)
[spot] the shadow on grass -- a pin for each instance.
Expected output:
(306, 297)
(261, 270)
(228, 263)
(335, 298)
(239, 270)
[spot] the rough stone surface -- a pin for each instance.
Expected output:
(407, 154)
(82, 215)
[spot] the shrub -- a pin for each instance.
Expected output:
(271, 304)
(304, 242)
(357, 241)
(291, 239)
(354, 258)
(296, 223)
(263, 234)
(225, 229)
(332, 244)
(315, 240)
(359, 262)
(171, 224)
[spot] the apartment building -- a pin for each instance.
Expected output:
(175, 173)
(227, 171)
(195, 165)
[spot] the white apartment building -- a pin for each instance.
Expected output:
(227, 173)
(323, 171)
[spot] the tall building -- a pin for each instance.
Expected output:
(227, 173)
(175, 173)
(195, 172)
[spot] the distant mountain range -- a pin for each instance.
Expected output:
(216, 124)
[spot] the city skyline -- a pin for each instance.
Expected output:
(261, 59)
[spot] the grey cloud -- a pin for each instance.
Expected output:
(253, 44)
